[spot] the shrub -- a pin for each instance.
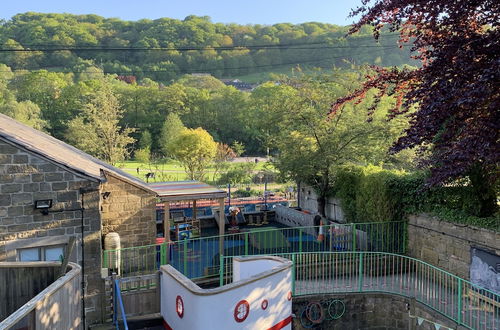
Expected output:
(372, 193)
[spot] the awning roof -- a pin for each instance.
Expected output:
(186, 190)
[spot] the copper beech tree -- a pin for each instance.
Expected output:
(453, 97)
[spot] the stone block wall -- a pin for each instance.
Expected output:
(376, 311)
(26, 177)
(448, 245)
(308, 200)
(130, 211)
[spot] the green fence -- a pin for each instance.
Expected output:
(200, 257)
(349, 272)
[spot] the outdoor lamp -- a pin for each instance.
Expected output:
(43, 205)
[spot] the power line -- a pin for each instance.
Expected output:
(132, 71)
(312, 45)
(55, 47)
(120, 49)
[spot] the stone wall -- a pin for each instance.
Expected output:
(375, 311)
(448, 245)
(130, 211)
(308, 200)
(26, 177)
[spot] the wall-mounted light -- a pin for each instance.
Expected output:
(43, 205)
(106, 194)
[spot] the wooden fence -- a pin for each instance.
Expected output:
(55, 305)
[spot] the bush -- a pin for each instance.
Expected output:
(372, 193)
(237, 174)
(246, 193)
(143, 155)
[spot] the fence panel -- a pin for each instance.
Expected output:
(199, 257)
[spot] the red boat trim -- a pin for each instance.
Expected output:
(282, 324)
(166, 326)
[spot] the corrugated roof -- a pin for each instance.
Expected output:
(59, 152)
(185, 190)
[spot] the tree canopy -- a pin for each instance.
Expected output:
(194, 149)
(97, 131)
(165, 48)
(455, 91)
(309, 147)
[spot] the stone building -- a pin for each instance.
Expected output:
(51, 191)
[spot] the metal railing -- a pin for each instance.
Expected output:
(118, 306)
(348, 272)
(200, 257)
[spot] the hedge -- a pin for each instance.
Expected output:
(372, 194)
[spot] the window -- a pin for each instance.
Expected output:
(43, 253)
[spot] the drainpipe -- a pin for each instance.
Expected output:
(83, 191)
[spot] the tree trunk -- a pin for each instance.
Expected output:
(321, 205)
(483, 188)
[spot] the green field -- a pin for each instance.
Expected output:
(170, 170)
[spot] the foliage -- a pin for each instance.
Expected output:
(195, 149)
(26, 112)
(238, 173)
(292, 118)
(223, 155)
(246, 193)
(96, 130)
(194, 44)
(171, 128)
(145, 141)
(143, 155)
(372, 193)
(455, 90)
(238, 148)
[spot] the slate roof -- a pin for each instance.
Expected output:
(61, 153)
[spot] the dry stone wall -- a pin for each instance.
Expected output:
(375, 311)
(448, 245)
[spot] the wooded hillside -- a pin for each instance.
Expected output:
(163, 49)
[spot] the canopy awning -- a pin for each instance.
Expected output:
(186, 190)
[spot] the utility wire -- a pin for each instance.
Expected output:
(54, 47)
(147, 49)
(133, 71)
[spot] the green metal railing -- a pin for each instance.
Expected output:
(200, 257)
(348, 272)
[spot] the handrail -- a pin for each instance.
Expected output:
(42, 296)
(118, 299)
(370, 236)
(467, 304)
(356, 224)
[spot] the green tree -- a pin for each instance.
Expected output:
(145, 141)
(238, 148)
(309, 147)
(44, 89)
(97, 131)
(171, 128)
(195, 149)
(239, 173)
(222, 157)
(26, 112)
(143, 155)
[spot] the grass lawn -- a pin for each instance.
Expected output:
(170, 170)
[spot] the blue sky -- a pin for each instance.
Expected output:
(225, 11)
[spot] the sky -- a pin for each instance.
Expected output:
(223, 11)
